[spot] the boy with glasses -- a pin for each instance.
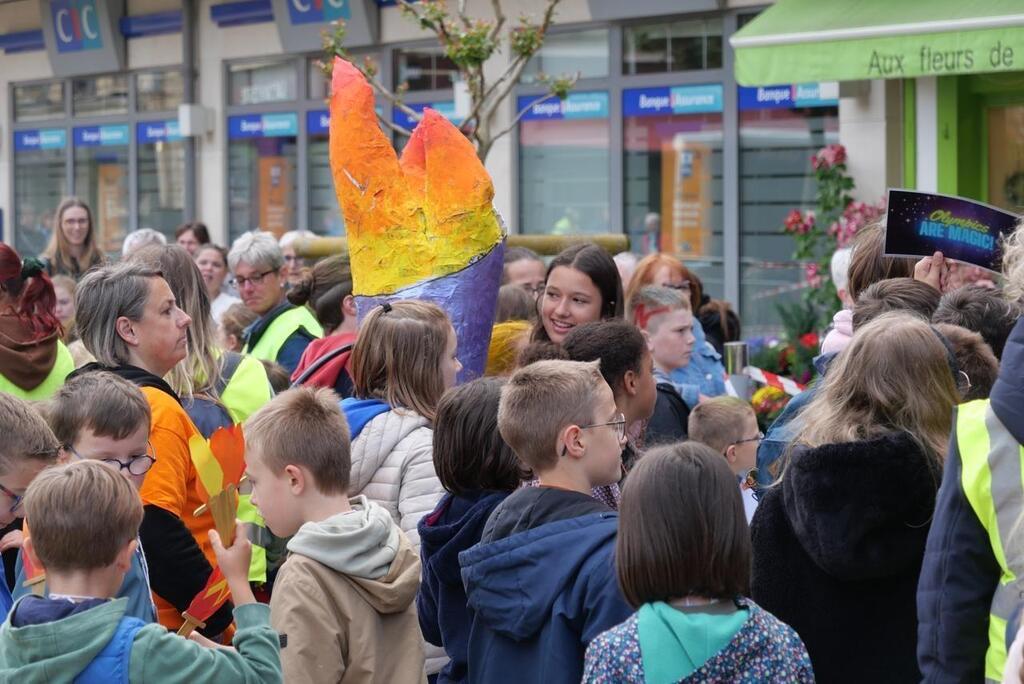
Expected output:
(541, 582)
(28, 446)
(729, 426)
(99, 416)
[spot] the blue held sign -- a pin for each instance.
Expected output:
(318, 11)
(40, 139)
(76, 25)
(263, 126)
(101, 136)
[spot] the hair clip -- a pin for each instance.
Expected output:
(386, 306)
(31, 267)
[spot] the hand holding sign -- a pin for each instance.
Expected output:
(943, 228)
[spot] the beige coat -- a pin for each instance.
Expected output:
(341, 628)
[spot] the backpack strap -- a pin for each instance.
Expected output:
(321, 362)
(229, 363)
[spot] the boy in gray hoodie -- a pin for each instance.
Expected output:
(344, 599)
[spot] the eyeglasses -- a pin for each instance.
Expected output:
(292, 258)
(682, 285)
(963, 383)
(535, 291)
(15, 498)
(619, 424)
(136, 465)
(757, 438)
(254, 280)
(76, 221)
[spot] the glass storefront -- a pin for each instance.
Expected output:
(672, 163)
(101, 179)
(262, 159)
(324, 216)
(40, 181)
(161, 154)
(564, 164)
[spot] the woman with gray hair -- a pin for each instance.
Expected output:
(129, 319)
(283, 331)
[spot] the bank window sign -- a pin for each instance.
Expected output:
(262, 126)
(699, 99)
(40, 139)
(318, 122)
(318, 11)
(151, 132)
(445, 109)
(789, 96)
(76, 25)
(576, 106)
(101, 136)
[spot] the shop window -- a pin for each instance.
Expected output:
(1006, 156)
(159, 91)
(585, 52)
(101, 178)
(100, 95)
(161, 167)
(262, 82)
(39, 184)
(324, 213)
(672, 165)
(262, 154)
(39, 101)
(564, 164)
(425, 68)
(674, 46)
(781, 127)
(318, 85)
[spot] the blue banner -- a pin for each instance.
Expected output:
(149, 132)
(576, 106)
(698, 99)
(318, 11)
(318, 122)
(789, 96)
(40, 139)
(98, 136)
(445, 109)
(262, 126)
(76, 25)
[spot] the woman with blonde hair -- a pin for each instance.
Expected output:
(704, 375)
(839, 540)
(72, 250)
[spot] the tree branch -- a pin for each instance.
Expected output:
(387, 94)
(499, 19)
(394, 127)
(520, 115)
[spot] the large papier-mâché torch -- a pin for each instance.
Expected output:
(420, 227)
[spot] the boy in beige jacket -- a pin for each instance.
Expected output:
(344, 600)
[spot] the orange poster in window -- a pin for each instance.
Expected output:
(111, 206)
(685, 197)
(274, 195)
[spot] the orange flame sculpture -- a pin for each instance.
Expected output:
(206, 603)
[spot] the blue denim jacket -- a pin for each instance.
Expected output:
(705, 373)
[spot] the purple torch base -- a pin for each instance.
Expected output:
(469, 296)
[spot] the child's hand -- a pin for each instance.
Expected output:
(929, 270)
(12, 540)
(233, 561)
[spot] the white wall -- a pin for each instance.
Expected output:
(870, 126)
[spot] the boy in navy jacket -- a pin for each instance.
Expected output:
(541, 583)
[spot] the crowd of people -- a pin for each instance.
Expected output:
(599, 507)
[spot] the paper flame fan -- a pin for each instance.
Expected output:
(219, 462)
(206, 602)
(35, 576)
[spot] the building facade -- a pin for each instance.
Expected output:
(156, 112)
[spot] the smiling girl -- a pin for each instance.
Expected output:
(582, 286)
(72, 250)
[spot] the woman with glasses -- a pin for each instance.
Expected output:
(704, 375)
(33, 359)
(73, 247)
(283, 331)
(839, 540)
(130, 320)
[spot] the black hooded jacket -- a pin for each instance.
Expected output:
(838, 545)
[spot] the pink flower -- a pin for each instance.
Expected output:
(828, 157)
(812, 275)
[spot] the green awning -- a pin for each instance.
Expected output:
(798, 41)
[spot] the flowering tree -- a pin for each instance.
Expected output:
(818, 233)
(469, 42)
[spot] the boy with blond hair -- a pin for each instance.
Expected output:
(729, 426)
(100, 416)
(343, 601)
(541, 582)
(85, 520)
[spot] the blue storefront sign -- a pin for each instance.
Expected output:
(318, 11)
(445, 109)
(789, 96)
(699, 99)
(76, 25)
(262, 126)
(318, 122)
(97, 136)
(149, 132)
(40, 139)
(575, 106)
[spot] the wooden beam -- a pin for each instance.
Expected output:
(545, 245)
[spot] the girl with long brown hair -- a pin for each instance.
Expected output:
(73, 250)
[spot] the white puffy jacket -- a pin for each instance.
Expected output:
(393, 465)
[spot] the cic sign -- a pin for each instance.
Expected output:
(300, 22)
(83, 36)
